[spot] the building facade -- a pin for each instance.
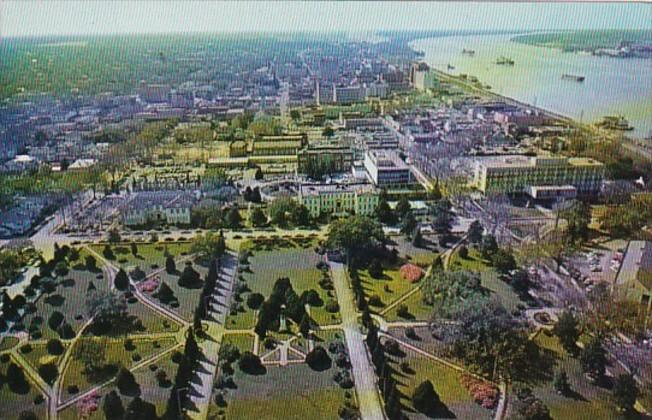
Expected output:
(518, 174)
(385, 167)
(339, 199)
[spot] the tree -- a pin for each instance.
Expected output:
(48, 372)
(560, 382)
(488, 246)
(318, 359)
(259, 174)
(567, 330)
(625, 392)
(417, 238)
(110, 314)
(359, 236)
(442, 217)
(170, 265)
(233, 218)
(55, 347)
(108, 252)
(250, 363)
(165, 294)
(403, 206)
(15, 378)
(503, 261)
(209, 246)
(578, 218)
(27, 415)
(384, 212)
(520, 282)
(304, 326)
(475, 232)
(126, 383)
(425, 399)
(376, 269)
(593, 358)
(463, 252)
(121, 281)
(112, 406)
(408, 224)
(300, 215)
(114, 236)
(141, 410)
(189, 278)
(328, 132)
(134, 249)
(254, 300)
(91, 263)
(257, 217)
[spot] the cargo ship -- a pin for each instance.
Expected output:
(504, 61)
(572, 77)
(615, 122)
(468, 52)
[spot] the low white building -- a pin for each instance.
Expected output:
(171, 207)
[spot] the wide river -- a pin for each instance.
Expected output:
(612, 85)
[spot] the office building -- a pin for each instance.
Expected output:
(523, 174)
(385, 167)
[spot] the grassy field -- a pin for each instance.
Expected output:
(117, 355)
(473, 262)
(40, 356)
(389, 288)
(13, 403)
(587, 400)
(7, 343)
(292, 392)
(187, 298)
(151, 390)
(422, 256)
(244, 342)
(269, 261)
(417, 310)
(458, 403)
(150, 256)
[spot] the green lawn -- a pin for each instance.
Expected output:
(292, 392)
(417, 310)
(116, 354)
(13, 403)
(244, 342)
(422, 256)
(271, 260)
(188, 298)
(389, 288)
(7, 343)
(150, 256)
(40, 356)
(473, 262)
(151, 390)
(588, 401)
(457, 400)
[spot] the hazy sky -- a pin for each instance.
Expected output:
(45, 17)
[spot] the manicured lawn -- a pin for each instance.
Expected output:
(588, 400)
(473, 262)
(389, 288)
(116, 354)
(273, 259)
(421, 256)
(417, 309)
(292, 392)
(40, 356)
(188, 298)
(151, 390)
(7, 343)
(456, 399)
(150, 256)
(13, 403)
(244, 342)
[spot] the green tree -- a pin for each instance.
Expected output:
(625, 392)
(233, 218)
(503, 261)
(560, 382)
(408, 224)
(488, 246)
(475, 232)
(567, 330)
(134, 249)
(424, 398)
(578, 218)
(112, 406)
(257, 217)
(403, 206)
(593, 358)
(376, 269)
(384, 212)
(358, 235)
(121, 281)
(126, 383)
(170, 265)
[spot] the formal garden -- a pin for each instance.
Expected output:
(316, 384)
(264, 260)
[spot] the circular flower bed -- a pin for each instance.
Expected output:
(411, 273)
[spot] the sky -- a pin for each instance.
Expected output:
(49, 17)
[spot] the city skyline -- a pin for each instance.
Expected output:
(98, 18)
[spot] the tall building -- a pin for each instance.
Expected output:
(344, 95)
(385, 167)
(540, 177)
(339, 199)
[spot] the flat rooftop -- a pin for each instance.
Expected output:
(520, 161)
(318, 189)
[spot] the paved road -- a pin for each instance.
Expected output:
(219, 308)
(363, 371)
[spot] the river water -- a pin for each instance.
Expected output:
(612, 85)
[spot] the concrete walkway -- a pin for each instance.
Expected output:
(364, 376)
(210, 345)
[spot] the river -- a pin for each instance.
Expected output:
(612, 85)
